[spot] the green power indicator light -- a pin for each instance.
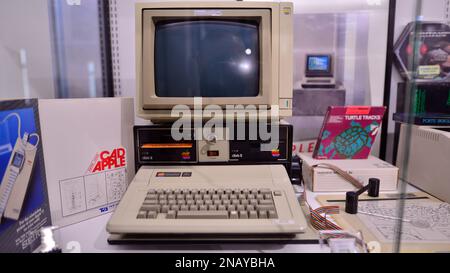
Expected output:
(448, 100)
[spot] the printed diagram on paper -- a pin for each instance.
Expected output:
(423, 220)
(92, 191)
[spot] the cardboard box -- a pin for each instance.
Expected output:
(322, 179)
(89, 155)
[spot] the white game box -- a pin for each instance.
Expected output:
(323, 179)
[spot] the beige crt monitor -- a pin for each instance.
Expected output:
(227, 53)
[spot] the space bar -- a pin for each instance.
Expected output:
(202, 214)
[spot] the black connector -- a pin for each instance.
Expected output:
(351, 197)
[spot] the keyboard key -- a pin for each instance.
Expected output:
(207, 197)
(244, 202)
(259, 196)
(151, 192)
(165, 208)
(252, 214)
(151, 214)
(254, 202)
(172, 202)
(262, 214)
(181, 202)
(231, 207)
(272, 214)
(241, 196)
(265, 207)
(151, 197)
(184, 207)
(199, 202)
(224, 196)
(203, 207)
(142, 214)
(265, 191)
(240, 207)
(162, 197)
(221, 207)
(233, 214)
(190, 202)
(250, 207)
(208, 202)
(171, 196)
(226, 202)
(235, 202)
(180, 196)
(267, 196)
(212, 207)
(150, 202)
(175, 207)
(215, 197)
(151, 208)
(193, 207)
(277, 193)
(203, 214)
(217, 202)
(171, 214)
(243, 214)
(251, 196)
(266, 202)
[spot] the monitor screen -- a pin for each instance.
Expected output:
(319, 63)
(207, 58)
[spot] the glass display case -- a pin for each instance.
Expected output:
(345, 53)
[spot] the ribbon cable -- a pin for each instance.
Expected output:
(319, 221)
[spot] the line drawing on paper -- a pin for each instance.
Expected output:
(73, 198)
(423, 220)
(95, 190)
(116, 184)
(92, 191)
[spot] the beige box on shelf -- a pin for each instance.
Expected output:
(323, 179)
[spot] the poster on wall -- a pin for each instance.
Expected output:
(24, 206)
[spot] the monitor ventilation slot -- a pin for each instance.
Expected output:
(428, 135)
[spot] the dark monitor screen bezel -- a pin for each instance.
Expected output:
(319, 73)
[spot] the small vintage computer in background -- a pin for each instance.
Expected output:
(319, 71)
(226, 53)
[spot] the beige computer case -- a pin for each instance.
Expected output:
(276, 79)
(424, 158)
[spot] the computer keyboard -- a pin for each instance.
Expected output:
(238, 199)
(209, 204)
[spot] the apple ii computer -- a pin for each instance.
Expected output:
(319, 71)
(222, 54)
